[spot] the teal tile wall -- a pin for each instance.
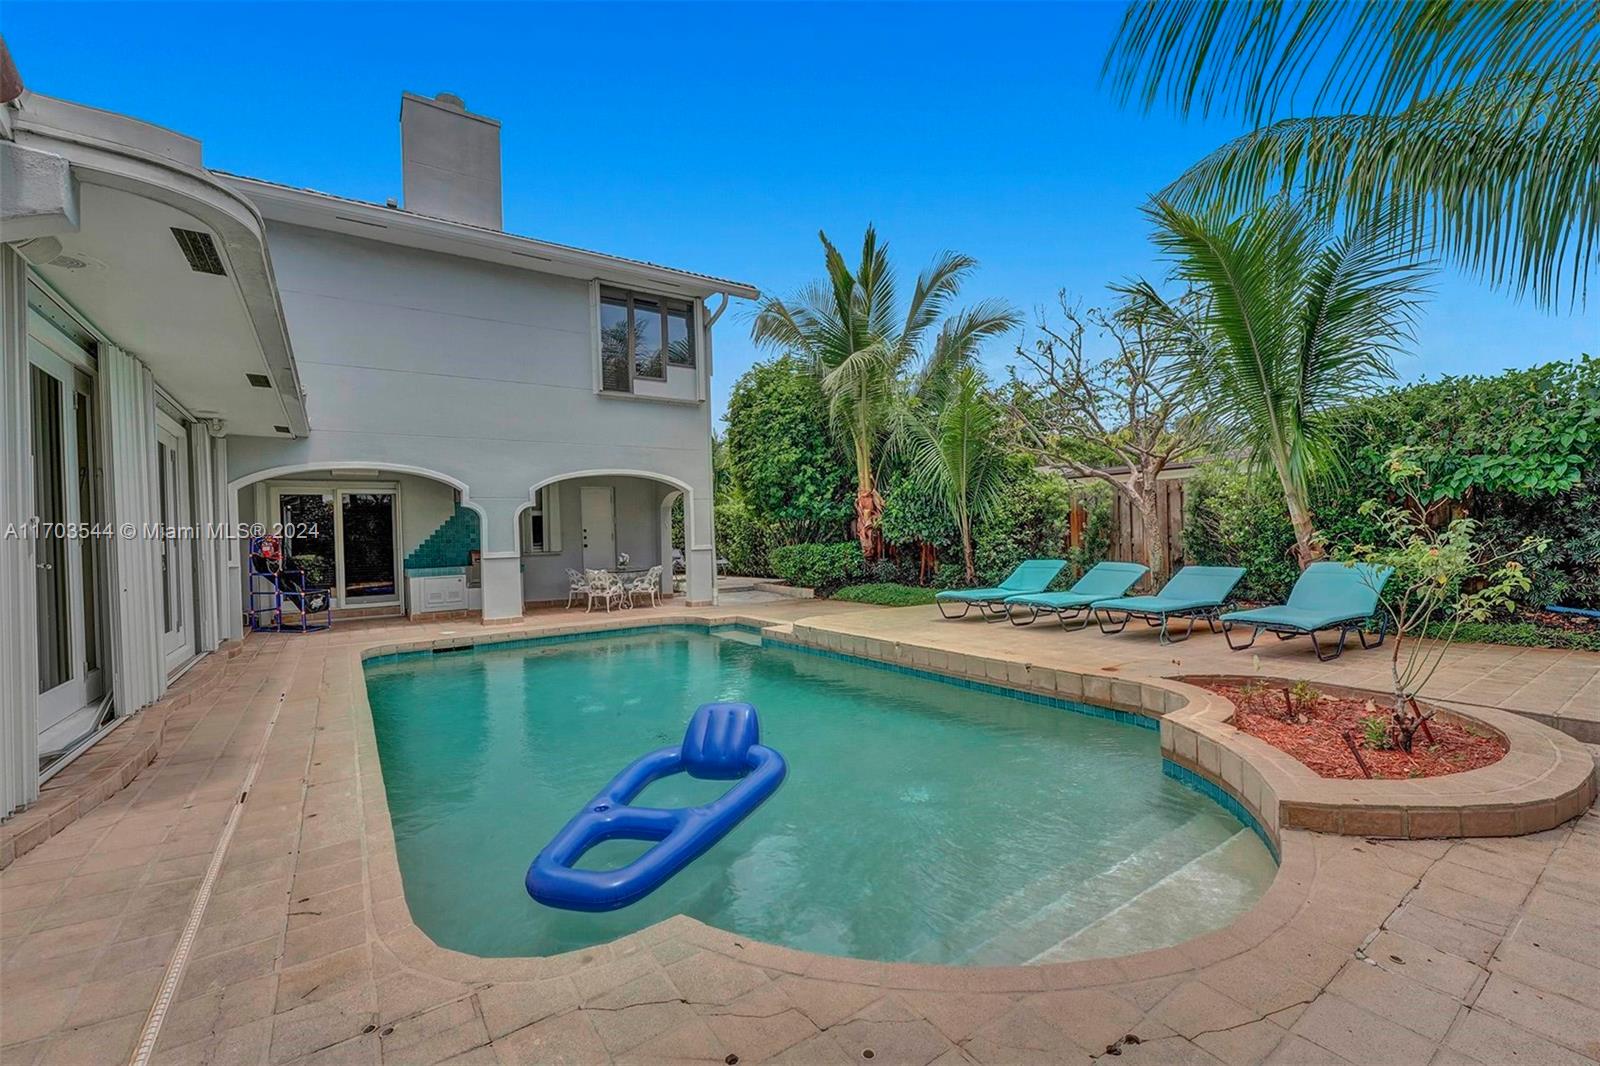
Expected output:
(450, 544)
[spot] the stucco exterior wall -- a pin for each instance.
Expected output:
(480, 373)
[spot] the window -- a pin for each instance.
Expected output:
(641, 336)
(541, 527)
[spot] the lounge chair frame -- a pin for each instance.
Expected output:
(1062, 615)
(1285, 631)
(986, 609)
(1208, 614)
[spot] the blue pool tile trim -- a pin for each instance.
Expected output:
(1110, 714)
(562, 638)
(1221, 797)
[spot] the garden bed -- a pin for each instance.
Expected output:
(1311, 726)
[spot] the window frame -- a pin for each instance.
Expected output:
(666, 307)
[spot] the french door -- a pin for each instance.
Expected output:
(68, 565)
(177, 552)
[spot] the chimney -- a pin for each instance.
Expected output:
(450, 159)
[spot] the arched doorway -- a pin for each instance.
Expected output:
(606, 519)
(382, 538)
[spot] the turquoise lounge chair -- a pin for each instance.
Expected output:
(1032, 575)
(1326, 596)
(1103, 581)
(1194, 592)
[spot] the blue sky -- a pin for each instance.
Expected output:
(719, 138)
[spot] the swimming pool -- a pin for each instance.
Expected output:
(921, 820)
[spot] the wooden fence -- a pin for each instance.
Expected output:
(1127, 531)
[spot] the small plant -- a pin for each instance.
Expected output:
(1442, 579)
(1301, 698)
(1375, 732)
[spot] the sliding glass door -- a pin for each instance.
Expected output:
(346, 538)
(367, 536)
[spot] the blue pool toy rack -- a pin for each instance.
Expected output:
(271, 586)
(722, 743)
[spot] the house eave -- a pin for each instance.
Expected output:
(357, 218)
(149, 161)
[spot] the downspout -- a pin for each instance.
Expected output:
(723, 306)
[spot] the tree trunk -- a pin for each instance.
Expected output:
(869, 505)
(1305, 534)
(966, 552)
(1155, 537)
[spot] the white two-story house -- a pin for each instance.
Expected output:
(447, 416)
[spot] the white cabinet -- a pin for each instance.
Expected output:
(434, 593)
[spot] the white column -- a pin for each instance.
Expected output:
(19, 654)
(667, 501)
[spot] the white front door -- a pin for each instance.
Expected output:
(599, 527)
(177, 552)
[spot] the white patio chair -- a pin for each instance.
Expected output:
(605, 587)
(577, 585)
(648, 585)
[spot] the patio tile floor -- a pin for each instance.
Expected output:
(1473, 950)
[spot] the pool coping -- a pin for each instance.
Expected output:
(1194, 736)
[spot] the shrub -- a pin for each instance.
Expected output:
(1235, 518)
(1521, 634)
(1031, 521)
(912, 514)
(819, 566)
(742, 540)
(1096, 545)
(949, 576)
(885, 594)
(783, 459)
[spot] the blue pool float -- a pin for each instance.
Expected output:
(722, 743)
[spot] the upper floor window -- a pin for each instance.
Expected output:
(641, 336)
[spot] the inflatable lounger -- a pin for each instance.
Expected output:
(721, 743)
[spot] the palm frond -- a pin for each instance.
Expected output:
(936, 287)
(1481, 118)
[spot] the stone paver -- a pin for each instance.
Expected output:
(1473, 950)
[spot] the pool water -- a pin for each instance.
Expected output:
(920, 821)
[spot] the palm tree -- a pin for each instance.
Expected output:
(954, 451)
(1294, 322)
(1478, 119)
(851, 331)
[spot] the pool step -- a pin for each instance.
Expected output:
(959, 942)
(1164, 913)
(1059, 907)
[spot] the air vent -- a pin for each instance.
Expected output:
(281, 429)
(199, 249)
(260, 381)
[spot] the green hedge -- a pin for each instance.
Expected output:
(1522, 634)
(818, 565)
(743, 540)
(885, 594)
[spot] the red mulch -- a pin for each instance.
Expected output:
(1312, 734)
